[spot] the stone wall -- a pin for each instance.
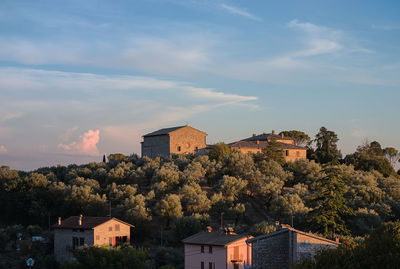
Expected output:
(271, 252)
(154, 146)
(292, 155)
(186, 140)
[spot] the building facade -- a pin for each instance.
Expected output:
(284, 247)
(174, 140)
(256, 143)
(77, 231)
(219, 249)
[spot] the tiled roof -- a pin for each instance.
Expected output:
(166, 131)
(87, 222)
(287, 229)
(262, 144)
(217, 238)
(265, 137)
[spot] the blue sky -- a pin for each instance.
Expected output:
(79, 79)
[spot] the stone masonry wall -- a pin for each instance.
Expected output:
(187, 139)
(154, 146)
(271, 252)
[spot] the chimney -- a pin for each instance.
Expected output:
(258, 142)
(80, 220)
(273, 131)
(59, 220)
(282, 135)
(254, 135)
(277, 225)
(209, 229)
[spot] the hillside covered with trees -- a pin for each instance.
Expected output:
(170, 199)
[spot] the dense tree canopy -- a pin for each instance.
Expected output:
(188, 192)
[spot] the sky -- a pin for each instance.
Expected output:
(79, 79)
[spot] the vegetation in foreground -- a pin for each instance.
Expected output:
(169, 199)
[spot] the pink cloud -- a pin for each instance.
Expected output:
(3, 149)
(87, 144)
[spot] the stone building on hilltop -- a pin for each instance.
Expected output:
(256, 143)
(174, 140)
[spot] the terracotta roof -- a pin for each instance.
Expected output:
(87, 222)
(265, 137)
(166, 131)
(262, 144)
(287, 229)
(217, 238)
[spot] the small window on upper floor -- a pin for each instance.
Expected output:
(287, 153)
(179, 148)
(110, 229)
(116, 227)
(209, 249)
(202, 249)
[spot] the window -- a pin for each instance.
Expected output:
(210, 265)
(209, 249)
(110, 229)
(116, 227)
(97, 237)
(202, 265)
(179, 148)
(81, 241)
(202, 249)
(287, 153)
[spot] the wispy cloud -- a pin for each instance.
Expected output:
(86, 145)
(241, 12)
(211, 94)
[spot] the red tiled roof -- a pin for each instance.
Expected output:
(87, 222)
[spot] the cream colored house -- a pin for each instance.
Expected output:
(77, 231)
(256, 144)
(175, 140)
(219, 249)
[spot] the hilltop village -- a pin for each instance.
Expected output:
(188, 140)
(271, 200)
